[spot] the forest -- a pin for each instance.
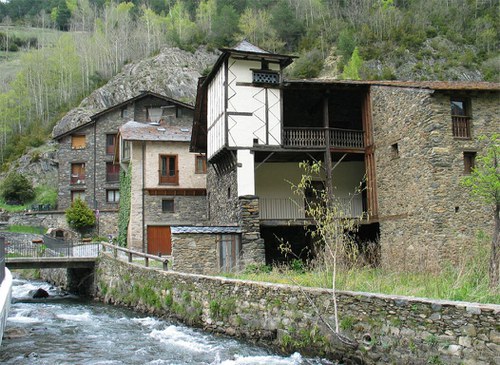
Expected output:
(91, 40)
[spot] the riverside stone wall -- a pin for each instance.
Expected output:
(385, 329)
(195, 253)
(427, 219)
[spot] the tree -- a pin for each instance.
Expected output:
(63, 15)
(79, 216)
(484, 183)
(16, 188)
(351, 70)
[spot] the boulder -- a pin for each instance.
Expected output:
(39, 293)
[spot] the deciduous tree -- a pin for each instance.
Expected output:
(484, 184)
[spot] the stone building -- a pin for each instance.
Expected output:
(167, 181)
(406, 144)
(86, 148)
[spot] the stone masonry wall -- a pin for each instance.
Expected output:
(187, 257)
(108, 221)
(383, 329)
(426, 217)
(252, 245)
(188, 210)
(223, 209)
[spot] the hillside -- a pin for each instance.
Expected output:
(172, 72)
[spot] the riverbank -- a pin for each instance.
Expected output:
(383, 328)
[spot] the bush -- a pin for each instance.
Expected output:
(17, 189)
(308, 66)
(80, 217)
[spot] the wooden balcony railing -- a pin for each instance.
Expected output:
(461, 126)
(316, 138)
(286, 208)
(77, 179)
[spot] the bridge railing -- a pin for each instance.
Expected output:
(51, 247)
(2, 259)
(118, 251)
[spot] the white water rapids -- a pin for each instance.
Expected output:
(64, 329)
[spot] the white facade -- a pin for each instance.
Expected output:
(253, 112)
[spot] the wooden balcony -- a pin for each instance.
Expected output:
(288, 209)
(461, 126)
(316, 138)
(77, 179)
(168, 177)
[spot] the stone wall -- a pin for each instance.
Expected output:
(382, 329)
(253, 251)
(223, 199)
(426, 217)
(108, 221)
(195, 253)
(187, 210)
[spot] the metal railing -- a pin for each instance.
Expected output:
(51, 247)
(286, 208)
(129, 255)
(2, 259)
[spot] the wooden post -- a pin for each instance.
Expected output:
(165, 265)
(146, 261)
(130, 257)
(328, 154)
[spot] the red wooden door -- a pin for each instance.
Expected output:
(159, 240)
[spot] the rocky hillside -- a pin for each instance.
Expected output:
(172, 72)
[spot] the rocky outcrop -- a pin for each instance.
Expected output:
(173, 73)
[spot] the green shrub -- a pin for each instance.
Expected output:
(17, 189)
(308, 66)
(79, 216)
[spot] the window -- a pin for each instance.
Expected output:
(265, 77)
(126, 150)
(110, 144)
(201, 165)
(77, 173)
(112, 172)
(469, 161)
(394, 151)
(229, 251)
(153, 114)
(113, 196)
(124, 112)
(168, 169)
(77, 194)
(167, 205)
(460, 118)
(78, 142)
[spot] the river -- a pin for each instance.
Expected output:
(65, 329)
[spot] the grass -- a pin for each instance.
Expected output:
(25, 229)
(465, 281)
(44, 195)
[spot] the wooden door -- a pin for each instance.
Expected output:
(159, 240)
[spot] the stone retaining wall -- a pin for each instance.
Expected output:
(386, 329)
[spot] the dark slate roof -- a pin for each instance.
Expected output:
(246, 46)
(431, 85)
(81, 117)
(205, 229)
(163, 131)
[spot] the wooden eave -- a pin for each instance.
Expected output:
(176, 191)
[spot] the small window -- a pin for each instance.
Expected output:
(112, 172)
(77, 173)
(77, 194)
(167, 205)
(461, 118)
(469, 161)
(78, 142)
(124, 112)
(153, 114)
(168, 169)
(229, 252)
(126, 150)
(110, 144)
(113, 196)
(201, 165)
(178, 112)
(265, 77)
(394, 150)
